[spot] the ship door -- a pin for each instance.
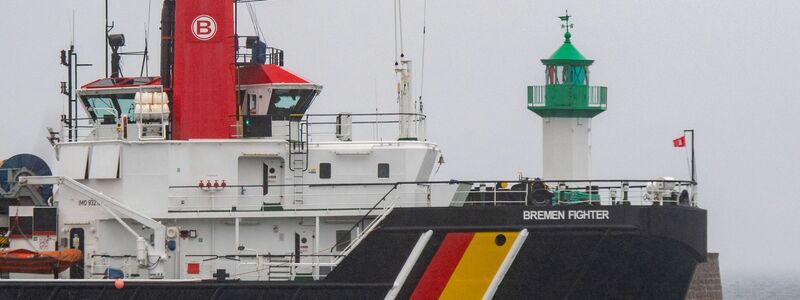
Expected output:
(302, 252)
(76, 241)
(261, 180)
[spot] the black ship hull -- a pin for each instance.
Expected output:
(575, 252)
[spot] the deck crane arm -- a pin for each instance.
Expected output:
(115, 209)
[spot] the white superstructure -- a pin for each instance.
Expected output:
(273, 205)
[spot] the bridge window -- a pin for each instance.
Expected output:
(126, 105)
(106, 106)
(252, 105)
(284, 103)
(100, 106)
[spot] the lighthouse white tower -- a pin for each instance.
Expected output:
(567, 105)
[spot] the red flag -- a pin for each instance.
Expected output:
(679, 142)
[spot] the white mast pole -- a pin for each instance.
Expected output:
(404, 94)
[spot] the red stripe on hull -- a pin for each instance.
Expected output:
(444, 262)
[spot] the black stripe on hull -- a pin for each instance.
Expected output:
(636, 253)
(601, 266)
(188, 290)
(630, 252)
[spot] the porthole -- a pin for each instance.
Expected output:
(500, 239)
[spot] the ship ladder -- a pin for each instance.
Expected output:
(298, 183)
(298, 156)
(298, 171)
(279, 268)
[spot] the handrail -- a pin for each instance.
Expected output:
(364, 217)
(483, 192)
(366, 231)
(318, 125)
(367, 114)
(452, 182)
(594, 97)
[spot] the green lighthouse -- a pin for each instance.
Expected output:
(567, 104)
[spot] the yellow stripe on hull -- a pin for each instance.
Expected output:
(478, 266)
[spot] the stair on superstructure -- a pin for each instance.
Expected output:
(280, 268)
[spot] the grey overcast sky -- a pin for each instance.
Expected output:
(727, 69)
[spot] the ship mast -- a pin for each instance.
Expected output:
(408, 116)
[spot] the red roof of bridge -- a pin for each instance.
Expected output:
(122, 82)
(266, 74)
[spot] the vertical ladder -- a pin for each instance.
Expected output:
(298, 156)
(298, 167)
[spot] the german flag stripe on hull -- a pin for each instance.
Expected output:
(464, 265)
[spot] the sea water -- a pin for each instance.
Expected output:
(760, 285)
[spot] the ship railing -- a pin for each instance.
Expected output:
(594, 97)
(248, 48)
(232, 201)
(102, 266)
(357, 196)
(82, 130)
(536, 96)
(91, 129)
(362, 196)
(590, 192)
(86, 129)
(236, 130)
(597, 96)
(362, 126)
(340, 127)
(249, 265)
(363, 231)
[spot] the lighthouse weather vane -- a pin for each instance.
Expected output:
(565, 19)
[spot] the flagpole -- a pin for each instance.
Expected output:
(694, 172)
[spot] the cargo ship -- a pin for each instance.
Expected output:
(211, 181)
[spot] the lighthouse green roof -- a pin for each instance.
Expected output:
(567, 54)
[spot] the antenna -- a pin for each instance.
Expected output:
(72, 38)
(145, 57)
(107, 30)
(398, 32)
(422, 69)
(409, 118)
(375, 125)
(400, 20)
(69, 59)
